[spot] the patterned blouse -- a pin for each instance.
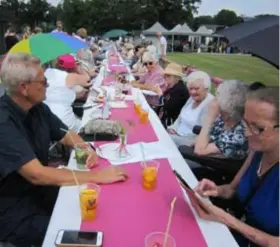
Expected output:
(232, 143)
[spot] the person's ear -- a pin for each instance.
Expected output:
(23, 88)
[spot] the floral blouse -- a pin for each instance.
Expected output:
(232, 143)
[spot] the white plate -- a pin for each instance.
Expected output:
(147, 92)
(109, 152)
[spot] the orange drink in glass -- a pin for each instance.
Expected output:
(149, 174)
(137, 108)
(144, 116)
(89, 194)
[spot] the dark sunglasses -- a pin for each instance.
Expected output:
(148, 63)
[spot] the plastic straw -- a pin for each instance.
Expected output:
(143, 154)
(169, 221)
(68, 133)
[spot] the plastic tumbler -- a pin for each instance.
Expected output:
(149, 174)
(81, 154)
(156, 239)
(89, 194)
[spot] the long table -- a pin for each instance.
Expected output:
(66, 214)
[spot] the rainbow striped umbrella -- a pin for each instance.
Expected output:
(49, 46)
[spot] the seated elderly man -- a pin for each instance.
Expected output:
(28, 187)
(152, 78)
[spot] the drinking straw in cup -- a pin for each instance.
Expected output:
(89, 194)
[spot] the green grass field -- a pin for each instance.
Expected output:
(245, 68)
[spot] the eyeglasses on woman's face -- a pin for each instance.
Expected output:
(257, 130)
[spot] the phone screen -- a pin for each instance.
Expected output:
(76, 237)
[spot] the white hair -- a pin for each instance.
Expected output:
(85, 54)
(231, 96)
(201, 78)
(149, 57)
(16, 68)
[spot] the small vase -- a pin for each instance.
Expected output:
(122, 150)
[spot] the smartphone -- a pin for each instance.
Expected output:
(182, 181)
(72, 238)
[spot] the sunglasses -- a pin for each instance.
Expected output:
(148, 63)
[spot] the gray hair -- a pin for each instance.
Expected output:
(268, 95)
(16, 68)
(231, 96)
(149, 57)
(86, 55)
(199, 77)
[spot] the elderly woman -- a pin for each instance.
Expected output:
(194, 111)
(152, 78)
(222, 133)
(256, 185)
(138, 52)
(139, 69)
(128, 51)
(81, 34)
(175, 96)
(85, 62)
(61, 92)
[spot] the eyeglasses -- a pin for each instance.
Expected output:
(148, 63)
(43, 82)
(255, 129)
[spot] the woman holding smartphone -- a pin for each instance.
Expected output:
(256, 186)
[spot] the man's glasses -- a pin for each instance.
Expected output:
(255, 129)
(43, 82)
(148, 63)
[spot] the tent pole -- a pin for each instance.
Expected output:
(172, 43)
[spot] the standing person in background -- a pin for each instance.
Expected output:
(37, 30)
(26, 32)
(10, 38)
(59, 27)
(162, 48)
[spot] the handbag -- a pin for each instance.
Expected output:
(100, 130)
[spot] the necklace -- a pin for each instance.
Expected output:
(259, 171)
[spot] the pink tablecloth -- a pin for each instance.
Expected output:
(115, 66)
(138, 132)
(127, 212)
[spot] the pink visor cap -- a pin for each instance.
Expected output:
(66, 62)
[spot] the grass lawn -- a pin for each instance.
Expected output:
(245, 68)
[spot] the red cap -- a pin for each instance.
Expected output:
(66, 62)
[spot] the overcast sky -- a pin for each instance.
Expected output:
(245, 7)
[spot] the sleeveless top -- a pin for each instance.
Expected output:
(262, 211)
(60, 98)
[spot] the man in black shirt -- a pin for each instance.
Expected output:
(28, 188)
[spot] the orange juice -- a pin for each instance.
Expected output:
(88, 204)
(144, 117)
(137, 108)
(149, 175)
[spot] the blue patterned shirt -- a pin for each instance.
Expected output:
(232, 142)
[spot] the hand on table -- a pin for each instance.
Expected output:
(207, 188)
(92, 159)
(111, 175)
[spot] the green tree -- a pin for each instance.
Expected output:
(201, 20)
(227, 18)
